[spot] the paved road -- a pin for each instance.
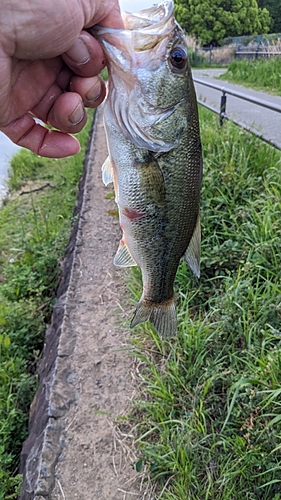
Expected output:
(264, 121)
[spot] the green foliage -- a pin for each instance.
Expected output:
(274, 8)
(212, 21)
(26, 169)
(209, 419)
(260, 73)
(34, 232)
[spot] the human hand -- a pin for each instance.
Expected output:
(48, 68)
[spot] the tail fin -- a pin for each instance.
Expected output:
(163, 316)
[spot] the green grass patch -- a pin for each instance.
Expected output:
(262, 74)
(34, 233)
(209, 419)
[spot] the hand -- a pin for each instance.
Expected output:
(48, 68)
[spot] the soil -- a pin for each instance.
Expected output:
(95, 462)
(85, 454)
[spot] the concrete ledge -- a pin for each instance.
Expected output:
(55, 392)
(85, 365)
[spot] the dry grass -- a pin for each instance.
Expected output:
(273, 47)
(220, 55)
(192, 43)
(226, 54)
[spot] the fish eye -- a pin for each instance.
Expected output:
(178, 57)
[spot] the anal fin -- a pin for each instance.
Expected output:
(192, 254)
(123, 257)
(107, 172)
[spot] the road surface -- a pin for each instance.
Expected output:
(262, 120)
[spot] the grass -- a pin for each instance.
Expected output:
(262, 74)
(208, 421)
(34, 233)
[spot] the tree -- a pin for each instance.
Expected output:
(274, 8)
(212, 20)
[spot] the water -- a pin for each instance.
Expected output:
(7, 150)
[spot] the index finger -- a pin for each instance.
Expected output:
(85, 57)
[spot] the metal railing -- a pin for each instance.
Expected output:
(254, 39)
(247, 51)
(240, 95)
(254, 52)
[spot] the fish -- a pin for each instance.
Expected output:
(155, 155)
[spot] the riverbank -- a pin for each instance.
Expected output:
(35, 223)
(207, 419)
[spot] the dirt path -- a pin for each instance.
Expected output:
(83, 455)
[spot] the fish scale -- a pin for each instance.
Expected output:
(155, 155)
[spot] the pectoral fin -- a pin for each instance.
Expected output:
(192, 254)
(107, 173)
(123, 257)
(152, 180)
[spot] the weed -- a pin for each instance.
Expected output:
(263, 74)
(209, 419)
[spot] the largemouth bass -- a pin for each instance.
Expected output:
(155, 156)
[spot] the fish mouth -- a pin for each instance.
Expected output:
(150, 26)
(134, 52)
(142, 30)
(149, 20)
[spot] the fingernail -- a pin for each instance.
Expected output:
(94, 93)
(77, 115)
(79, 52)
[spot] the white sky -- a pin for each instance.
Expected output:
(136, 5)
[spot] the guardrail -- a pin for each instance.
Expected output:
(240, 95)
(254, 52)
(250, 52)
